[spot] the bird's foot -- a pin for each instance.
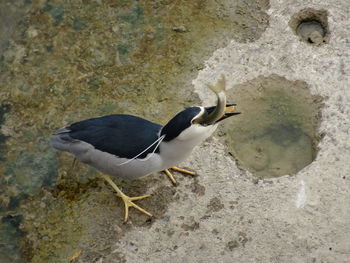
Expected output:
(128, 202)
(177, 169)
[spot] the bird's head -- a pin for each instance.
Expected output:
(200, 122)
(195, 122)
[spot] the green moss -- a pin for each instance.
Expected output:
(4, 108)
(123, 49)
(56, 13)
(94, 83)
(32, 170)
(135, 15)
(77, 24)
(124, 57)
(108, 109)
(9, 233)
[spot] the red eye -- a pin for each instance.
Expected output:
(194, 121)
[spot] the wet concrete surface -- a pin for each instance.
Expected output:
(66, 61)
(127, 57)
(276, 133)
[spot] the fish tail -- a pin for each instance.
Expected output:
(219, 86)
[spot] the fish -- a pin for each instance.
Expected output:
(220, 109)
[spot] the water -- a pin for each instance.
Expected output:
(70, 60)
(276, 134)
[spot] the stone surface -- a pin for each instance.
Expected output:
(304, 218)
(225, 214)
(63, 61)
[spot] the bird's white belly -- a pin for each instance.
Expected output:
(125, 168)
(113, 165)
(172, 156)
(175, 151)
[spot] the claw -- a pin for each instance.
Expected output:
(128, 201)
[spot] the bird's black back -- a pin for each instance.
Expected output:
(122, 135)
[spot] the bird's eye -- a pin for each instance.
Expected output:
(194, 121)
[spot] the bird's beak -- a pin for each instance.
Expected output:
(229, 111)
(222, 110)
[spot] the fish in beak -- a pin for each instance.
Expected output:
(222, 110)
(229, 111)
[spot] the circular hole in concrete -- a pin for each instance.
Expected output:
(311, 26)
(276, 134)
(311, 31)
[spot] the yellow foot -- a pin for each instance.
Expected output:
(128, 201)
(177, 169)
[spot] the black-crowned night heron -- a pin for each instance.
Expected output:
(130, 147)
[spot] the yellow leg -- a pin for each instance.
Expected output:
(170, 176)
(128, 201)
(177, 169)
(183, 171)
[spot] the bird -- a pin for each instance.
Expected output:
(130, 147)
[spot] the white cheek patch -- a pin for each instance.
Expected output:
(196, 131)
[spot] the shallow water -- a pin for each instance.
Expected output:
(276, 134)
(70, 60)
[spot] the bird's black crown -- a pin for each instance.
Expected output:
(179, 123)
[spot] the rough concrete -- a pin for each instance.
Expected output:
(225, 214)
(302, 218)
(70, 60)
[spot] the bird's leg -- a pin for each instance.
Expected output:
(183, 171)
(128, 201)
(170, 176)
(177, 169)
